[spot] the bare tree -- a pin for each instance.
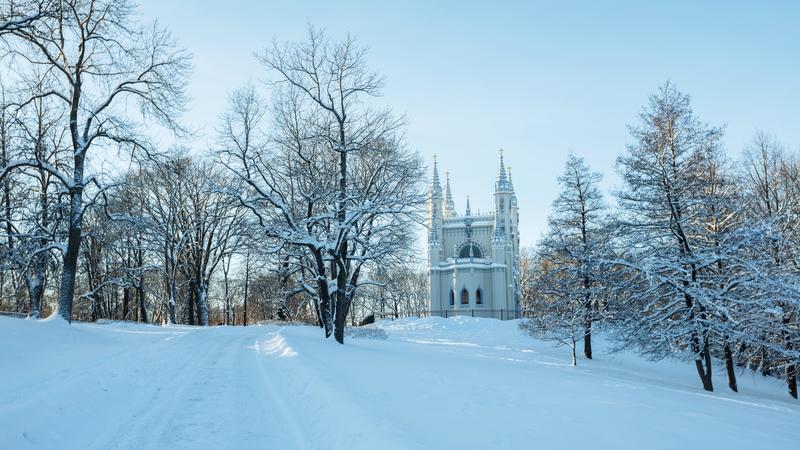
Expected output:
(336, 189)
(95, 59)
(217, 230)
(18, 15)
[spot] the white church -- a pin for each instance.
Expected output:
(473, 259)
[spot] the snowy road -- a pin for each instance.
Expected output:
(464, 383)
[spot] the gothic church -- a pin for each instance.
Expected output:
(473, 259)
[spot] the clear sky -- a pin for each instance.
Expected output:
(539, 79)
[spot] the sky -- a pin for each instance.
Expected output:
(537, 79)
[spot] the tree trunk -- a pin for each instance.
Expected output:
(126, 298)
(731, 369)
(141, 293)
(202, 304)
(142, 303)
(791, 380)
(763, 359)
(190, 306)
(340, 321)
(173, 294)
(246, 286)
(574, 354)
(323, 292)
(142, 300)
(70, 260)
(35, 285)
(702, 362)
(587, 335)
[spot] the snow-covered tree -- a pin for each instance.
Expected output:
(94, 60)
(17, 15)
(335, 189)
(772, 180)
(662, 216)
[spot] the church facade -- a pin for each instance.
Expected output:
(473, 259)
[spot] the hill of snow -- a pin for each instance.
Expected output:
(434, 383)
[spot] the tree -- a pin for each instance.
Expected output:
(558, 315)
(773, 188)
(216, 227)
(336, 189)
(94, 59)
(663, 221)
(16, 15)
(42, 132)
(574, 246)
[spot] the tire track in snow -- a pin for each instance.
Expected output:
(275, 398)
(173, 364)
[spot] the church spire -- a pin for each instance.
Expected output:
(511, 188)
(449, 205)
(502, 178)
(498, 234)
(437, 185)
(435, 205)
(468, 219)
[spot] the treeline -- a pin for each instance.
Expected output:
(304, 207)
(696, 258)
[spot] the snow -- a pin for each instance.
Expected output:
(434, 383)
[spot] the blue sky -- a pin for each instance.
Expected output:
(539, 79)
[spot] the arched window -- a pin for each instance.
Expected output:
(479, 297)
(452, 297)
(471, 250)
(464, 296)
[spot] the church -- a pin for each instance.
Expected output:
(473, 259)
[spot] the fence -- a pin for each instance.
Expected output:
(501, 314)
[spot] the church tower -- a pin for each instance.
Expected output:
(435, 218)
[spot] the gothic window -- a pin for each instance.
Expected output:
(452, 297)
(470, 250)
(464, 297)
(479, 297)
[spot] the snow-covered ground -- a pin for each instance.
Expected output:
(433, 384)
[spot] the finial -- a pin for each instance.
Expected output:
(469, 210)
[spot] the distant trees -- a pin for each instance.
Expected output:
(316, 197)
(89, 59)
(394, 292)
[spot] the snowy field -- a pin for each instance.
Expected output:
(433, 384)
